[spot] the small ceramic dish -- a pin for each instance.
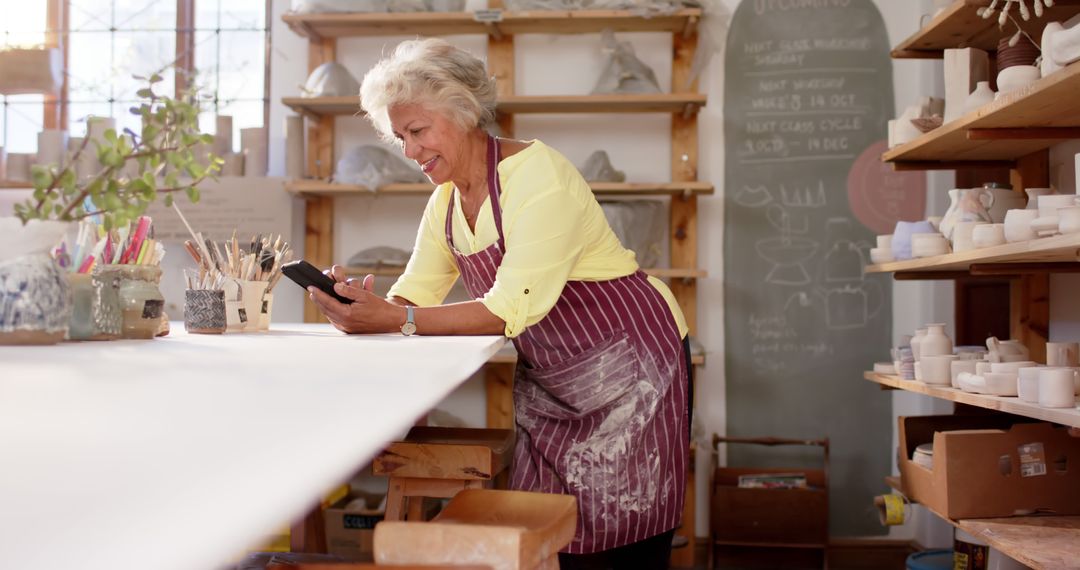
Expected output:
(1045, 226)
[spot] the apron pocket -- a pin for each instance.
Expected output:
(583, 383)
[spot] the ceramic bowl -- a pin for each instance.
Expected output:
(971, 383)
(928, 245)
(1015, 77)
(981, 367)
(937, 369)
(1001, 383)
(880, 255)
(1057, 388)
(988, 235)
(1049, 204)
(1018, 225)
(961, 236)
(956, 367)
(1069, 220)
(884, 242)
(924, 455)
(1011, 366)
(1045, 226)
(901, 243)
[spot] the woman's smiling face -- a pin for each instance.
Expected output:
(431, 139)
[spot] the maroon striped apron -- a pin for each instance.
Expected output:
(600, 398)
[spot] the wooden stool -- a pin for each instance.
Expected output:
(508, 530)
(440, 462)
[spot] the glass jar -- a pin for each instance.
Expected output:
(141, 301)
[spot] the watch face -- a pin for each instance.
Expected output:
(408, 329)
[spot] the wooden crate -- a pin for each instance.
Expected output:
(745, 520)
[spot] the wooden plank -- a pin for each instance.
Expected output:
(1064, 416)
(1056, 249)
(1049, 102)
(15, 184)
(499, 388)
(322, 188)
(56, 32)
(332, 25)
(185, 46)
(517, 104)
(1040, 542)
(1029, 314)
(960, 26)
(319, 212)
(1024, 134)
(501, 64)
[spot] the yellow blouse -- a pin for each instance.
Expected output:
(555, 232)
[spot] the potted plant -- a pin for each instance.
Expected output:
(130, 170)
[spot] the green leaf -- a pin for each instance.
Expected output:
(192, 194)
(168, 200)
(155, 78)
(144, 93)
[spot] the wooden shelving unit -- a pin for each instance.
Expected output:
(1051, 250)
(1064, 416)
(500, 27)
(1043, 543)
(15, 185)
(319, 26)
(320, 188)
(1019, 123)
(959, 26)
(687, 103)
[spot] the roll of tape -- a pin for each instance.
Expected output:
(890, 509)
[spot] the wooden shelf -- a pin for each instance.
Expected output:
(687, 103)
(1065, 416)
(508, 355)
(661, 272)
(1057, 249)
(958, 26)
(1049, 103)
(1042, 542)
(15, 185)
(321, 188)
(336, 25)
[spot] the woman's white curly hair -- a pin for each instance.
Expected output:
(434, 74)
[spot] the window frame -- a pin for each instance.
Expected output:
(58, 27)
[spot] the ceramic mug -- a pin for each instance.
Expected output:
(1018, 225)
(1062, 354)
(988, 235)
(1069, 220)
(1057, 388)
(1027, 384)
(1050, 204)
(962, 235)
(937, 369)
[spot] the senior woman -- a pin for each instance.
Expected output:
(601, 387)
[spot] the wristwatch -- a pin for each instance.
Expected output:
(409, 328)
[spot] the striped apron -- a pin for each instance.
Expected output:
(600, 398)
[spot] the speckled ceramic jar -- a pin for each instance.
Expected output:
(35, 300)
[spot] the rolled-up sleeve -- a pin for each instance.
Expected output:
(544, 240)
(431, 270)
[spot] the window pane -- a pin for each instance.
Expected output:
(22, 23)
(90, 66)
(240, 67)
(245, 114)
(23, 120)
(230, 15)
(145, 15)
(142, 53)
(89, 15)
(207, 48)
(78, 112)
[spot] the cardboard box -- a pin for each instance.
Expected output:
(350, 528)
(991, 466)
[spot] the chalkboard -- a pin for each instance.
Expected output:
(808, 93)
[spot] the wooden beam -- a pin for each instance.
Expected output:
(56, 33)
(951, 164)
(1029, 313)
(1018, 269)
(185, 46)
(499, 386)
(1024, 134)
(319, 211)
(930, 275)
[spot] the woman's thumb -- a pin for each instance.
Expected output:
(369, 282)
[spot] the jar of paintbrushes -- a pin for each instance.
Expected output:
(114, 278)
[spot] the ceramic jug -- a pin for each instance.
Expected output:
(966, 205)
(1002, 199)
(936, 342)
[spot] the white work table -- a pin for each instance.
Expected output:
(178, 453)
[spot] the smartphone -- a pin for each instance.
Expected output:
(305, 275)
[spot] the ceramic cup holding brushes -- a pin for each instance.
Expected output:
(204, 311)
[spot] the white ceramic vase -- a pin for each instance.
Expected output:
(916, 342)
(936, 342)
(982, 95)
(35, 299)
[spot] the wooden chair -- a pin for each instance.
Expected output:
(440, 462)
(508, 530)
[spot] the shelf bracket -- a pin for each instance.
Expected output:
(493, 30)
(1024, 134)
(691, 108)
(307, 30)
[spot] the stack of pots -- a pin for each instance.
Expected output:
(933, 352)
